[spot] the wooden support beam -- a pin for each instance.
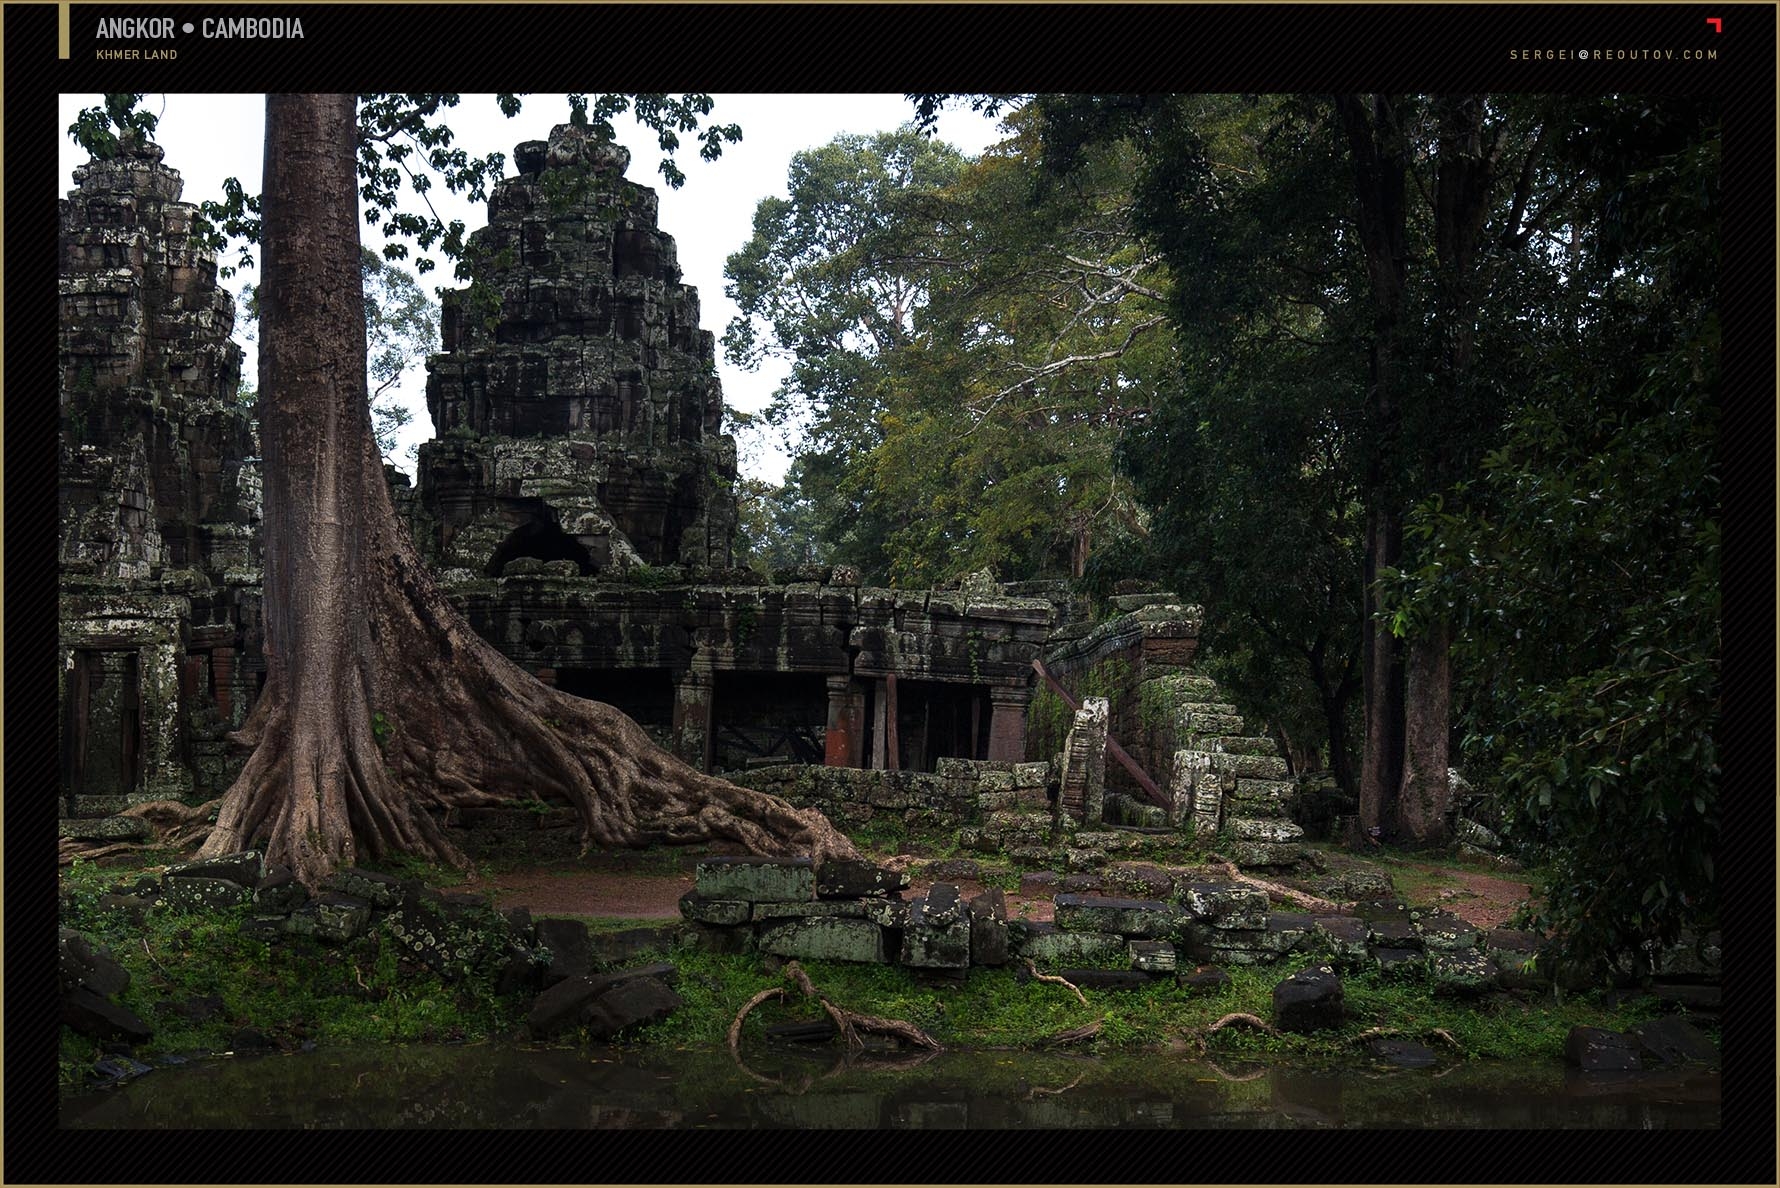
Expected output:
(1155, 794)
(892, 745)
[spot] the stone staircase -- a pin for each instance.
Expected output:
(1226, 782)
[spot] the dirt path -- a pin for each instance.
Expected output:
(609, 886)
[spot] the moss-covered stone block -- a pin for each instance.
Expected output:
(757, 880)
(826, 938)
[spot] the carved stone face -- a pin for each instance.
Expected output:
(575, 146)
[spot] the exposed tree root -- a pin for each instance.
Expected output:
(1254, 1076)
(1038, 1091)
(1275, 891)
(1056, 981)
(1231, 1020)
(848, 1023)
(383, 711)
(1439, 1033)
(1246, 1020)
(1073, 1035)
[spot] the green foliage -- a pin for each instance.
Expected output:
(966, 344)
(1583, 563)
(293, 991)
(404, 142)
(401, 329)
(104, 131)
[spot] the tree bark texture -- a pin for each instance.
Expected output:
(383, 711)
(1381, 754)
(1425, 794)
(1381, 167)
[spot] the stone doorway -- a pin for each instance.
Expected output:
(102, 725)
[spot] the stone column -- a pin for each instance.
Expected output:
(1007, 722)
(694, 698)
(880, 750)
(222, 681)
(844, 745)
(163, 775)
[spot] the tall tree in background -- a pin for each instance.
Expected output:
(967, 339)
(832, 280)
(382, 709)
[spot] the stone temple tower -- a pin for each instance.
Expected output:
(576, 402)
(159, 495)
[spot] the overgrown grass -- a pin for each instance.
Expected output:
(997, 1008)
(291, 991)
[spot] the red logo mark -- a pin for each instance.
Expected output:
(1717, 24)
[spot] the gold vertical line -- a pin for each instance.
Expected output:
(62, 35)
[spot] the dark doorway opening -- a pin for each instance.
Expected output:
(538, 536)
(761, 718)
(646, 694)
(102, 725)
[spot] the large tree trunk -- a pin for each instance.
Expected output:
(1380, 157)
(1381, 756)
(382, 710)
(1425, 794)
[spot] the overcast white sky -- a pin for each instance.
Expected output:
(212, 137)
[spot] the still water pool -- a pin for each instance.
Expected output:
(510, 1086)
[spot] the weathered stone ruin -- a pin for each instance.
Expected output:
(578, 504)
(158, 552)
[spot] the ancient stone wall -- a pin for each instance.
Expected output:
(1150, 637)
(158, 495)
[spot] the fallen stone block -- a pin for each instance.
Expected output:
(1048, 946)
(1254, 767)
(98, 1017)
(379, 890)
(1674, 1041)
(279, 891)
(1595, 1049)
(112, 829)
(850, 909)
(630, 1003)
(988, 928)
(245, 867)
(850, 878)
(722, 912)
(570, 954)
(203, 894)
(1446, 932)
(936, 938)
(83, 964)
(1273, 830)
(757, 880)
(1151, 956)
(1345, 938)
(1393, 933)
(1399, 963)
(1147, 918)
(1253, 854)
(1140, 881)
(827, 938)
(1224, 905)
(1461, 971)
(1310, 1000)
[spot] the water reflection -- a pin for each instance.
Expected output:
(506, 1086)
